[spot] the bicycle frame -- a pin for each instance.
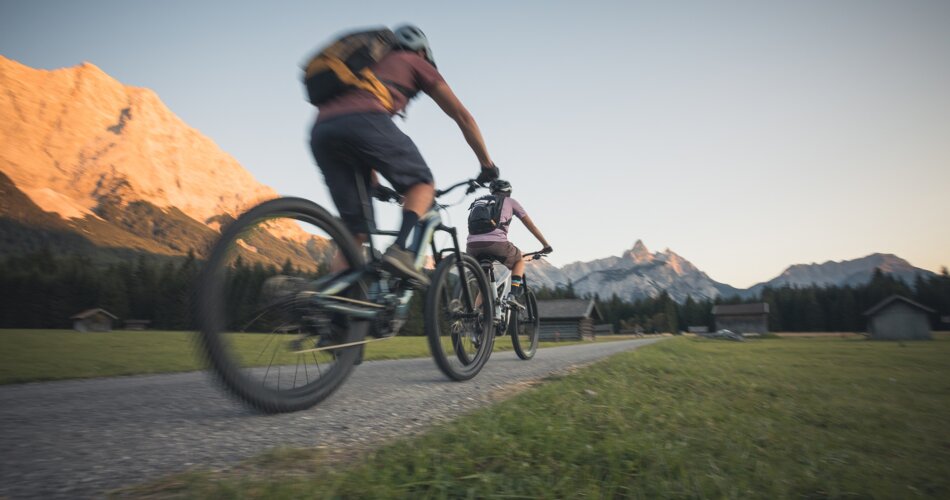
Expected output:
(501, 287)
(423, 238)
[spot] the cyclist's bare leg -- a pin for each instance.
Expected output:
(518, 269)
(418, 198)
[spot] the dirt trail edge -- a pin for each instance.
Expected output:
(82, 438)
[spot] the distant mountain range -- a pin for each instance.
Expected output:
(638, 273)
(847, 272)
(92, 167)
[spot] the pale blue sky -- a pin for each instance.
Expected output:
(746, 136)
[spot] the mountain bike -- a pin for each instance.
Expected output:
(517, 317)
(284, 340)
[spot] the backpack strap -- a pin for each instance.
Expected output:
(500, 206)
(365, 80)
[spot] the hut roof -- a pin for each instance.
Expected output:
(568, 309)
(89, 312)
(894, 298)
(758, 308)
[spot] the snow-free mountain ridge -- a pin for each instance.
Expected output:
(117, 168)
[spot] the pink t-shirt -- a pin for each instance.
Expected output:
(407, 69)
(509, 209)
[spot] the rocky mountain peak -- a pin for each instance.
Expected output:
(639, 253)
(636, 274)
(74, 137)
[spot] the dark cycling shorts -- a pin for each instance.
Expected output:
(503, 251)
(357, 143)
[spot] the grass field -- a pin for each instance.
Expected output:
(685, 418)
(36, 355)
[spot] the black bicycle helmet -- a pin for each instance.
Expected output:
(500, 186)
(412, 38)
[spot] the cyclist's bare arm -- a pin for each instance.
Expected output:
(528, 223)
(443, 96)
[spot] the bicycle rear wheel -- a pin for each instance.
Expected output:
(525, 327)
(259, 329)
(460, 330)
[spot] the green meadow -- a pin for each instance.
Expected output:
(37, 355)
(686, 418)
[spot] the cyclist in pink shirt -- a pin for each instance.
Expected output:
(495, 243)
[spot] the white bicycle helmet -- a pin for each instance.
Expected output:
(500, 186)
(412, 38)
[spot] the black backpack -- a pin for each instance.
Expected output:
(346, 63)
(484, 215)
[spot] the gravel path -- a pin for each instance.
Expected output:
(78, 439)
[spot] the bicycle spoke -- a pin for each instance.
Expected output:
(268, 369)
(305, 373)
(319, 374)
(296, 370)
(270, 338)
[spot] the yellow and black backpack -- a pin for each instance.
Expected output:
(346, 62)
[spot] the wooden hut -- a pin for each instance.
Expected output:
(568, 319)
(93, 320)
(899, 318)
(604, 329)
(742, 318)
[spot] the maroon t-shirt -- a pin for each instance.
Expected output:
(404, 68)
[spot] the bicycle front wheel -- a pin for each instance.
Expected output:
(259, 328)
(525, 327)
(458, 317)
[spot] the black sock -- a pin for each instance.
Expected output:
(515, 280)
(409, 219)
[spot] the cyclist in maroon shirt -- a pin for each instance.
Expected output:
(355, 132)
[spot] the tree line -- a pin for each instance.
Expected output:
(41, 290)
(793, 309)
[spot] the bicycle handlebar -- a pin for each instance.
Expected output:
(472, 186)
(534, 255)
(391, 196)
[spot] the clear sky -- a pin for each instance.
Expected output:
(746, 136)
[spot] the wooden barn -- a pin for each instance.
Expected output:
(568, 319)
(93, 320)
(742, 318)
(899, 318)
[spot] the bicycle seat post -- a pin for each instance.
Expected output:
(367, 205)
